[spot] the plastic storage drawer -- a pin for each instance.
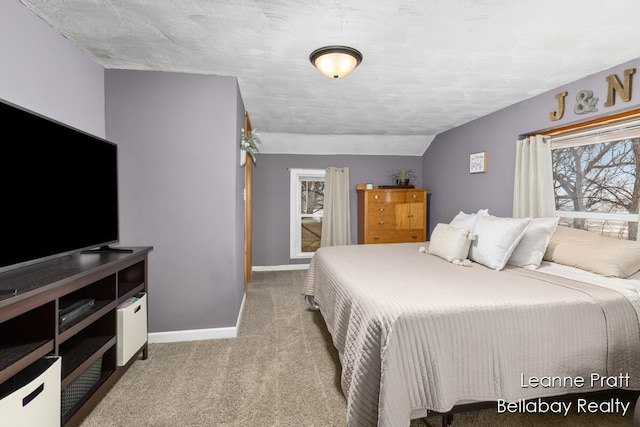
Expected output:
(32, 397)
(132, 327)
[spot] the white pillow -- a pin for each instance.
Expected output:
(529, 252)
(495, 239)
(467, 220)
(450, 243)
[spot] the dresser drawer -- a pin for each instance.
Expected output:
(411, 235)
(386, 218)
(415, 196)
(376, 209)
(380, 236)
(385, 196)
(381, 226)
(390, 236)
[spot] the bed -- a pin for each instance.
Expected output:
(418, 334)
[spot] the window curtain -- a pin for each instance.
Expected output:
(336, 222)
(533, 184)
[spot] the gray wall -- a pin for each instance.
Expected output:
(445, 164)
(43, 72)
(181, 191)
(164, 191)
(271, 195)
(183, 197)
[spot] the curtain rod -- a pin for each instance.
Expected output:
(612, 119)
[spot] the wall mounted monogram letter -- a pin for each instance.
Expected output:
(557, 115)
(585, 102)
(616, 86)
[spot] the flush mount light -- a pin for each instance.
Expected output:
(335, 62)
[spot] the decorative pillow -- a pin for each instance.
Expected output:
(606, 256)
(529, 252)
(450, 243)
(467, 220)
(634, 276)
(495, 239)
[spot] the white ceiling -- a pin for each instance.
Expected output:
(429, 65)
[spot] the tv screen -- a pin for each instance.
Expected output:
(59, 189)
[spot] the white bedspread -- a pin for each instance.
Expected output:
(417, 333)
(630, 287)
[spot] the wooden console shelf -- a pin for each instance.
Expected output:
(30, 327)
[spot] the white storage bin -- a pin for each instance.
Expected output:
(132, 327)
(34, 396)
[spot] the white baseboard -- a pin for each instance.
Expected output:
(198, 334)
(239, 319)
(192, 335)
(280, 267)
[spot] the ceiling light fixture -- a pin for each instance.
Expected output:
(335, 62)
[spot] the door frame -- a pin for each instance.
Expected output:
(248, 186)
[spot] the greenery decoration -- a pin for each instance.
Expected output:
(249, 143)
(403, 176)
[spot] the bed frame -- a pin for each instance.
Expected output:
(339, 291)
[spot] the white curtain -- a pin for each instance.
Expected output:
(533, 185)
(336, 222)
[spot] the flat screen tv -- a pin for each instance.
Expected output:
(58, 186)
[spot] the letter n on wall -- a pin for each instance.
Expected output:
(615, 86)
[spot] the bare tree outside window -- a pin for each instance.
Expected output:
(601, 180)
(306, 209)
(312, 204)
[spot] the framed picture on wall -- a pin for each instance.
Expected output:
(478, 162)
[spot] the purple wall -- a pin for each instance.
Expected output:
(43, 72)
(161, 184)
(271, 195)
(181, 189)
(445, 166)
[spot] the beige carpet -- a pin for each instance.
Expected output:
(282, 370)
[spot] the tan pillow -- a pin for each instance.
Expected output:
(589, 251)
(450, 243)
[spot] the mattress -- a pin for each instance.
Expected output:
(418, 334)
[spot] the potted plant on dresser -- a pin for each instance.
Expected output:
(403, 177)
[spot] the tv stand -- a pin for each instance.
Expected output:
(30, 327)
(107, 249)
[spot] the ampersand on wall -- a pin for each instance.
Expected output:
(585, 102)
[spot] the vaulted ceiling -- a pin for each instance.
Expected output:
(429, 65)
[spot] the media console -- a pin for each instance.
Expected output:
(30, 298)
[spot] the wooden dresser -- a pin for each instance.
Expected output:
(392, 215)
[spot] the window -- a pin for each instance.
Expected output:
(307, 204)
(597, 180)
